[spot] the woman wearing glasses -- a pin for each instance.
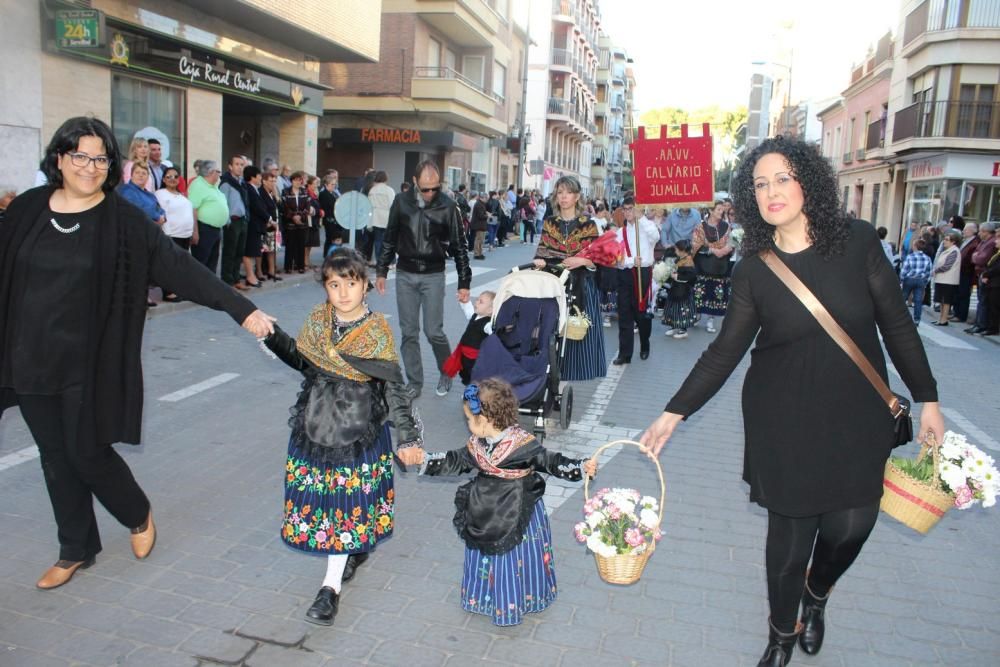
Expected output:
(817, 433)
(75, 260)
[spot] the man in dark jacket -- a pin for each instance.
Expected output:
(424, 228)
(479, 224)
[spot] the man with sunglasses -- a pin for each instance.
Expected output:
(424, 228)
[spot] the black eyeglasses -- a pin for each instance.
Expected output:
(436, 188)
(82, 160)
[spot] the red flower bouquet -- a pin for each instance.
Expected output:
(605, 251)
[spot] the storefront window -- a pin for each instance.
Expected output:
(925, 201)
(982, 202)
(147, 109)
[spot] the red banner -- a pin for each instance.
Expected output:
(671, 171)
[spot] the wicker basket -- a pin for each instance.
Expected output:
(626, 568)
(577, 325)
(914, 503)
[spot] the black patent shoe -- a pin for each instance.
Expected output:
(779, 647)
(324, 607)
(813, 625)
(354, 561)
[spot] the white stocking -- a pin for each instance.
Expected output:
(334, 571)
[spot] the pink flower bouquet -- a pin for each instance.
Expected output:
(619, 522)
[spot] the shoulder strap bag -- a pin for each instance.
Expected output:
(899, 406)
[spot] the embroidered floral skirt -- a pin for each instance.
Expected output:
(711, 295)
(679, 314)
(521, 581)
(344, 509)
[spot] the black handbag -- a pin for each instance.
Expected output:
(899, 406)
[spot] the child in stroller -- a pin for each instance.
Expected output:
(466, 352)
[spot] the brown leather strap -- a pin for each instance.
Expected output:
(831, 327)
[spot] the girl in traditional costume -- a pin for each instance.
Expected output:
(339, 476)
(509, 568)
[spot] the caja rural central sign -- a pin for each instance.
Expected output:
(671, 171)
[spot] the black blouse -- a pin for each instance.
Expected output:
(817, 432)
(53, 275)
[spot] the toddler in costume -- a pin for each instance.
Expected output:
(509, 569)
(338, 476)
(466, 352)
(679, 312)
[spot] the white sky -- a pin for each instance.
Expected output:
(695, 53)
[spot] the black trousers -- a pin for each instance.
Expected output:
(74, 477)
(207, 250)
(234, 245)
(628, 312)
(295, 247)
(832, 540)
(961, 308)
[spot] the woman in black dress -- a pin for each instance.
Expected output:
(817, 432)
(75, 260)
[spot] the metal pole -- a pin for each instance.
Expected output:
(521, 145)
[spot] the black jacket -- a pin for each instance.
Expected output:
(424, 237)
(480, 217)
(260, 208)
(130, 252)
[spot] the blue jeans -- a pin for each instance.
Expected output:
(491, 234)
(378, 233)
(983, 308)
(915, 286)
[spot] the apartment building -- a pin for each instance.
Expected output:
(562, 91)
(614, 95)
(853, 134)
(208, 78)
(926, 145)
(944, 109)
(448, 87)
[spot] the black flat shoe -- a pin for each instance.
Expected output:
(276, 278)
(940, 324)
(324, 607)
(621, 361)
(354, 561)
(972, 330)
(644, 355)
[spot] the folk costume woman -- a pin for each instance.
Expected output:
(509, 569)
(564, 234)
(338, 476)
(711, 248)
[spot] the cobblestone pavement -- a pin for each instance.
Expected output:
(219, 589)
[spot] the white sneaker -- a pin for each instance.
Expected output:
(710, 326)
(670, 332)
(443, 386)
(681, 333)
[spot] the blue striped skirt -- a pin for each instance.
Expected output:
(521, 581)
(345, 509)
(585, 358)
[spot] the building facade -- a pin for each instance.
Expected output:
(916, 135)
(447, 87)
(208, 79)
(562, 91)
(853, 133)
(614, 98)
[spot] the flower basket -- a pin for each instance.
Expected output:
(577, 325)
(626, 568)
(915, 503)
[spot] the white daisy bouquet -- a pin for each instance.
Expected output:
(619, 521)
(966, 471)
(736, 237)
(663, 269)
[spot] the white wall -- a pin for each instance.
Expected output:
(21, 140)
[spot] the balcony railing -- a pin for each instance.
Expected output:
(448, 73)
(564, 8)
(936, 15)
(562, 57)
(947, 118)
(875, 135)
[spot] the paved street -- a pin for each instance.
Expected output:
(220, 588)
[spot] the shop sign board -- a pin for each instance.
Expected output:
(79, 28)
(673, 171)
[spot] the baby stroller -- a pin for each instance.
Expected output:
(529, 318)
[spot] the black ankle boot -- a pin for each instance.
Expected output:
(353, 562)
(779, 647)
(324, 607)
(813, 626)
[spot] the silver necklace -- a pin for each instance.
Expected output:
(64, 230)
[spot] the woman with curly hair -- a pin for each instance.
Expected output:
(817, 432)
